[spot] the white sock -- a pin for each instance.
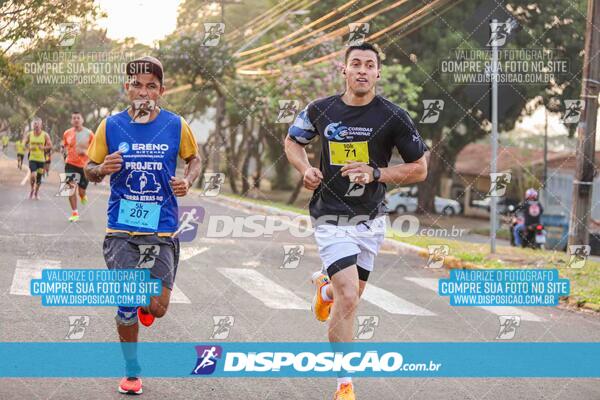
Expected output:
(345, 379)
(75, 211)
(324, 293)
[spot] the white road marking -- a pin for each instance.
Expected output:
(253, 264)
(432, 284)
(392, 303)
(27, 270)
(177, 296)
(217, 241)
(26, 177)
(268, 292)
(188, 252)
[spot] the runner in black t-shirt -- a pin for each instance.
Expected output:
(358, 132)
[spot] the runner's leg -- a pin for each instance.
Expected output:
(345, 285)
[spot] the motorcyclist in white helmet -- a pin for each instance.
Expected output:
(532, 212)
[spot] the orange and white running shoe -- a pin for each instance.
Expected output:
(319, 306)
(130, 386)
(345, 392)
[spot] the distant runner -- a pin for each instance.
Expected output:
(75, 144)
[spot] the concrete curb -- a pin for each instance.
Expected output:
(450, 262)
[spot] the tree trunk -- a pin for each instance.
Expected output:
(256, 153)
(248, 144)
(281, 180)
(429, 188)
(296, 191)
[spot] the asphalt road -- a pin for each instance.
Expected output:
(215, 279)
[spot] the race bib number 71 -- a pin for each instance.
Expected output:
(341, 153)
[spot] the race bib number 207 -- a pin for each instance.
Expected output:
(341, 153)
(142, 215)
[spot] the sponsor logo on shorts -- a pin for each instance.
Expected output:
(148, 254)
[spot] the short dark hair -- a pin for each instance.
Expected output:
(76, 112)
(363, 46)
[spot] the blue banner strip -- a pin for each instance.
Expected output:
(223, 359)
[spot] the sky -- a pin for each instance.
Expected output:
(145, 20)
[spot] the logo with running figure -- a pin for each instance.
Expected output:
(67, 33)
(573, 110)
(358, 33)
(508, 326)
(579, 254)
(222, 326)
(498, 184)
(148, 254)
(355, 189)
(366, 326)
(287, 111)
(189, 219)
(292, 254)
(207, 359)
(68, 183)
(212, 184)
(499, 32)
(432, 110)
(212, 33)
(437, 254)
(77, 326)
(142, 109)
(142, 182)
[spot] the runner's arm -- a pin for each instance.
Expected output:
(192, 169)
(296, 155)
(63, 146)
(48, 143)
(188, 151)
(99, 157)
(93, 172)
(404, 174)
(412, 149)
(300, 134)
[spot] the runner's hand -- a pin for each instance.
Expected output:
(112, 163)
(358, 172)
(312, 178)
(180, 186)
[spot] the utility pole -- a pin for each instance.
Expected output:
(586, 131)
(493, 164)
(545, 181)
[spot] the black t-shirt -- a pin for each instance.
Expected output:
(532, 212)
(354, 133)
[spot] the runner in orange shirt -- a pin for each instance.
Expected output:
(75, 143)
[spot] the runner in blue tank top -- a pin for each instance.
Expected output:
(138, 148)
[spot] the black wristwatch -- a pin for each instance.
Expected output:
(376, 174)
